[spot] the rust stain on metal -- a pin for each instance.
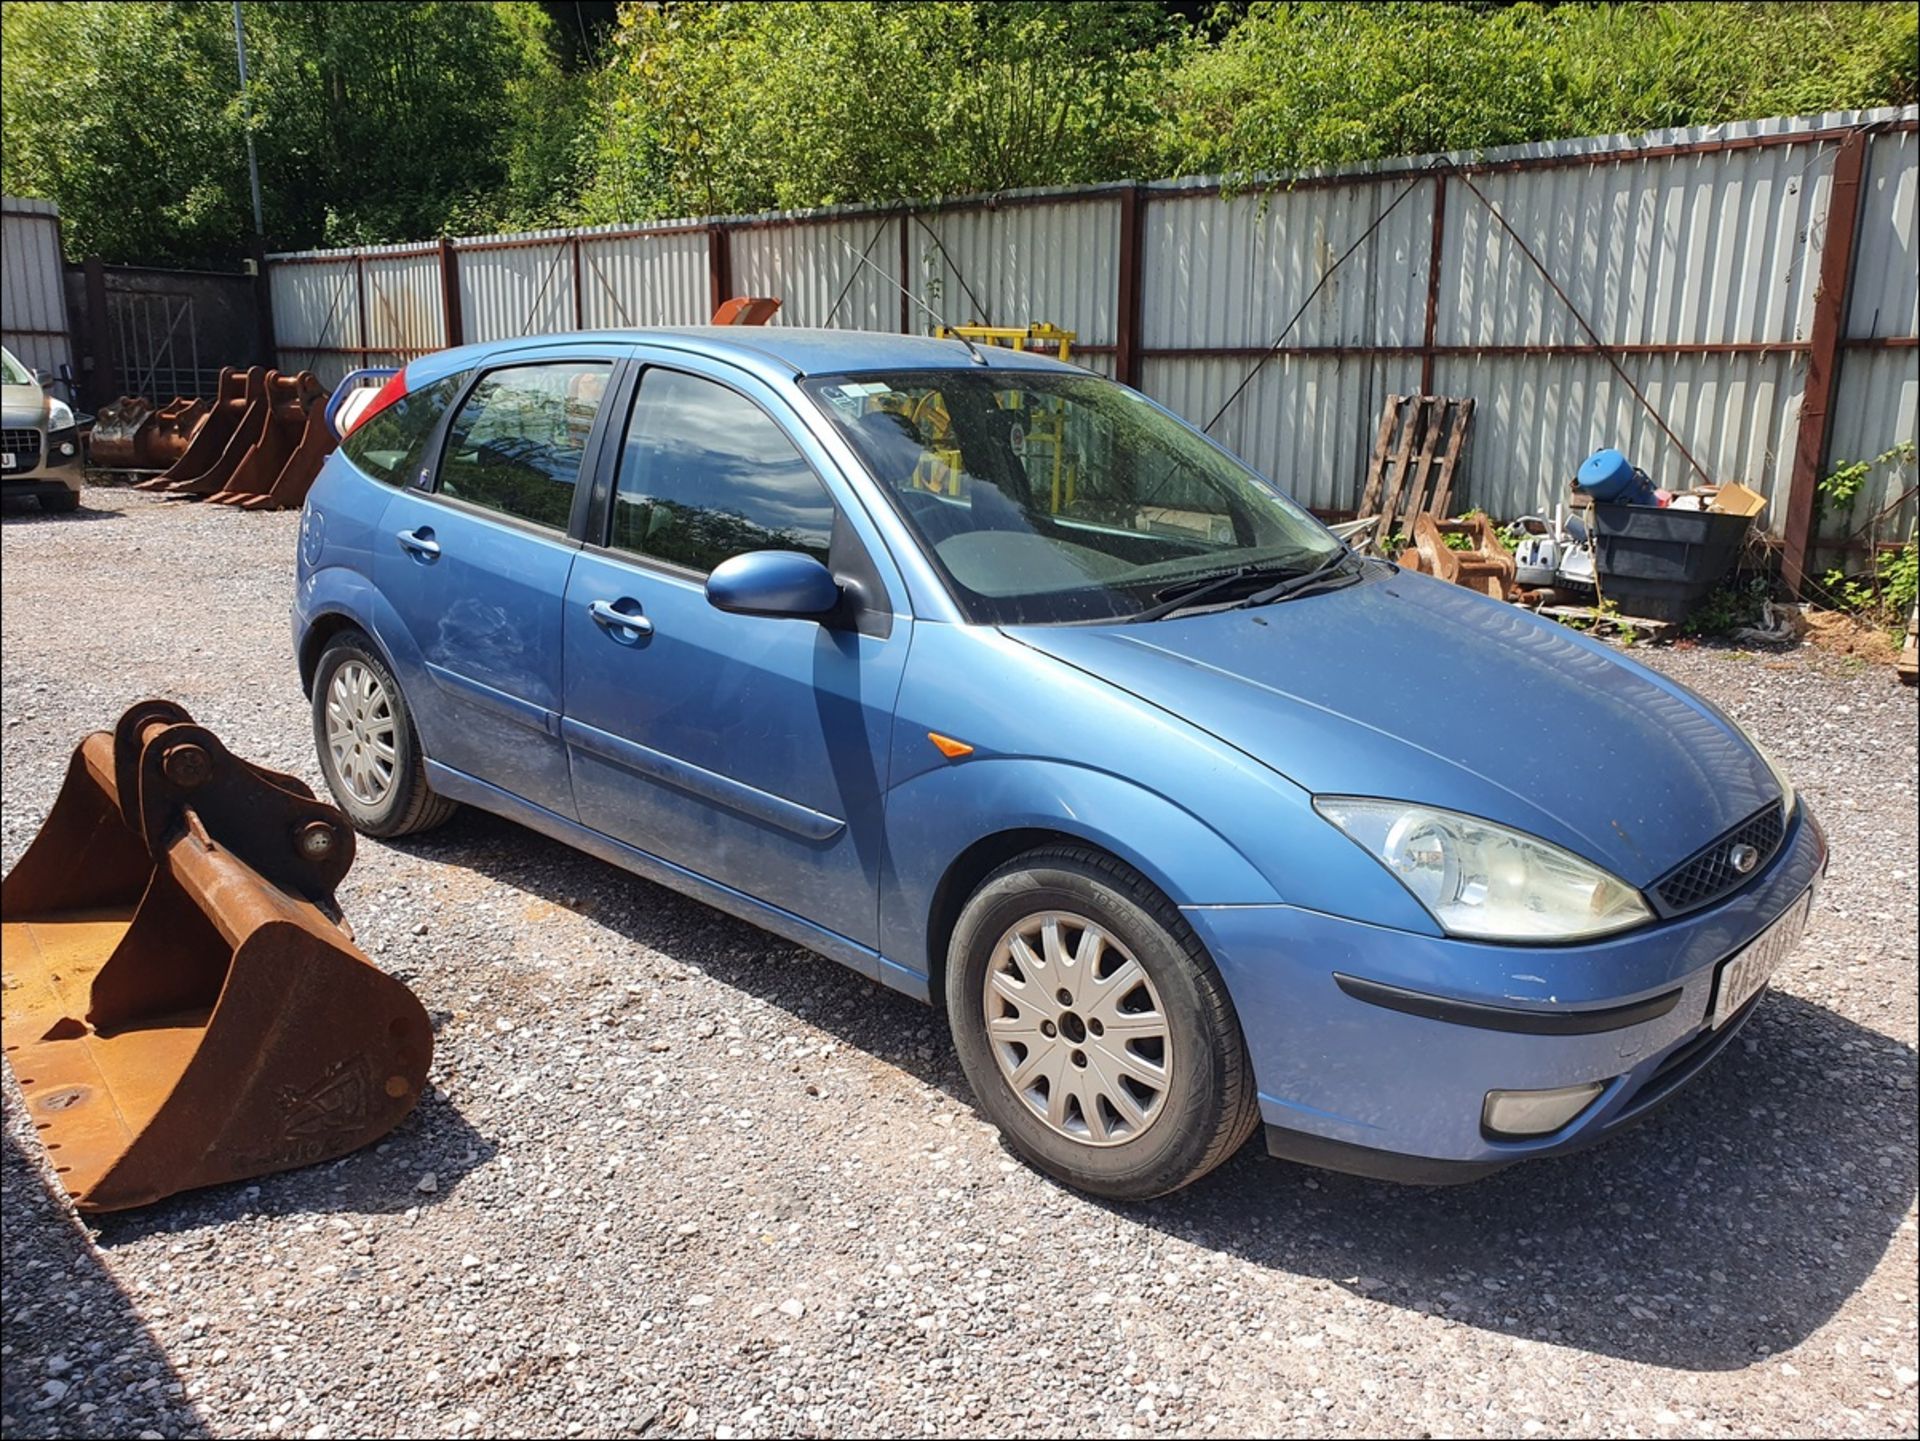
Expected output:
(181, 1007)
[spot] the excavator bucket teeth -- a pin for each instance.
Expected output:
(182, 1005)
(235, 422)
(275, 473)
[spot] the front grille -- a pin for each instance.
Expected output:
(1710, 875)
(23, 446)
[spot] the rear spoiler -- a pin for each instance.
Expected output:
(368, 377)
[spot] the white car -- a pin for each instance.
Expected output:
(39, 440)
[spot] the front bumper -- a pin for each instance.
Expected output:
(41, 463)
(1374, 1049)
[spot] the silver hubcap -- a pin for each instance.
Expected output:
(360, 732)
(1077, 1029)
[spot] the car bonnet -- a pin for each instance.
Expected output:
(1407, 688)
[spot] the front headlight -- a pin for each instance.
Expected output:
(59, 414)
(1485, 881)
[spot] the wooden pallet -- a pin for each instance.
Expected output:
(1607, 622)
(1415, 456)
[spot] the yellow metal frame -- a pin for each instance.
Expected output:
(1032, 337)
(1048, 429)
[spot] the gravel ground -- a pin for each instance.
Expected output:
(679, 1178)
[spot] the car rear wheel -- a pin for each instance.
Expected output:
(368, 751)
(1094, 1028)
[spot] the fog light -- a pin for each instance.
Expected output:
(67, 447)
(1535, 1113)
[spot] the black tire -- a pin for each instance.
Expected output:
(409, 804)
(1210, 1104)
(59, 502)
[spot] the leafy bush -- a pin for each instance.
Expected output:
(710, 108)
(397, 121)
(1322, 83)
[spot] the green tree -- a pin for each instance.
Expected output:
(372, 122)
(128, 117)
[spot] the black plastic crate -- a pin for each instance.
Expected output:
(1658, 563)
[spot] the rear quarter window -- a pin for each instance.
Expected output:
(391, 445)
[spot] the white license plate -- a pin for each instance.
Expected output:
(6, 460)
(1743, 976)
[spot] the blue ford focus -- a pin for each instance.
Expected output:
(995, 681)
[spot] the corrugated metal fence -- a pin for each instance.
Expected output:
(33, 297)
(1755, 282)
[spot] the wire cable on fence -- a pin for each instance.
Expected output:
(853, 274)
(1319, 285)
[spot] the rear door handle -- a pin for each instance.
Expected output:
(635, 624)
(420, 542)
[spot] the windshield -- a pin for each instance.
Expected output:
(12, 372)
(1050, 498)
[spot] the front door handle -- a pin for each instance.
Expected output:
(420, 543)
(632, 623)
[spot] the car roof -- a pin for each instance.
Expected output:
(797, 350)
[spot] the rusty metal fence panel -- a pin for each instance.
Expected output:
(33, 297)
(316, 313)
(514, 285)
(844, 273)
(1229, 272)
(1307, 421)
(1878, 393)
(650, 276)
(401, 293)
(1696, 257)
(1031, 257)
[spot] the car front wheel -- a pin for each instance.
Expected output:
(368, 751)
(1094, 1028)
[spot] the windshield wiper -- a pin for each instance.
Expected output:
(1299, 584)
(1196, 591)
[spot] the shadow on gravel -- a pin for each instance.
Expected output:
(1726, 1228)
(381, 1179)
(67, 1322)
(22, 509)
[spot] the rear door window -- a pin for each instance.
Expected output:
(391, 444)
(517, 443)
(706, 475)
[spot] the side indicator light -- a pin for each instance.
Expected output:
(948, 746)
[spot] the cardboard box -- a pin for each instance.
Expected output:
(1736, 499)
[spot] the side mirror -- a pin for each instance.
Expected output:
(773, 582)
(42, 378)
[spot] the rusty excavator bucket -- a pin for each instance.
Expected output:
(131, 434)
(165, 438)
(237, 419)
(1488, 567)
(276, 473)
(182, 1006)
(112, 442)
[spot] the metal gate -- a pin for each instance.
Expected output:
(157, 341)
